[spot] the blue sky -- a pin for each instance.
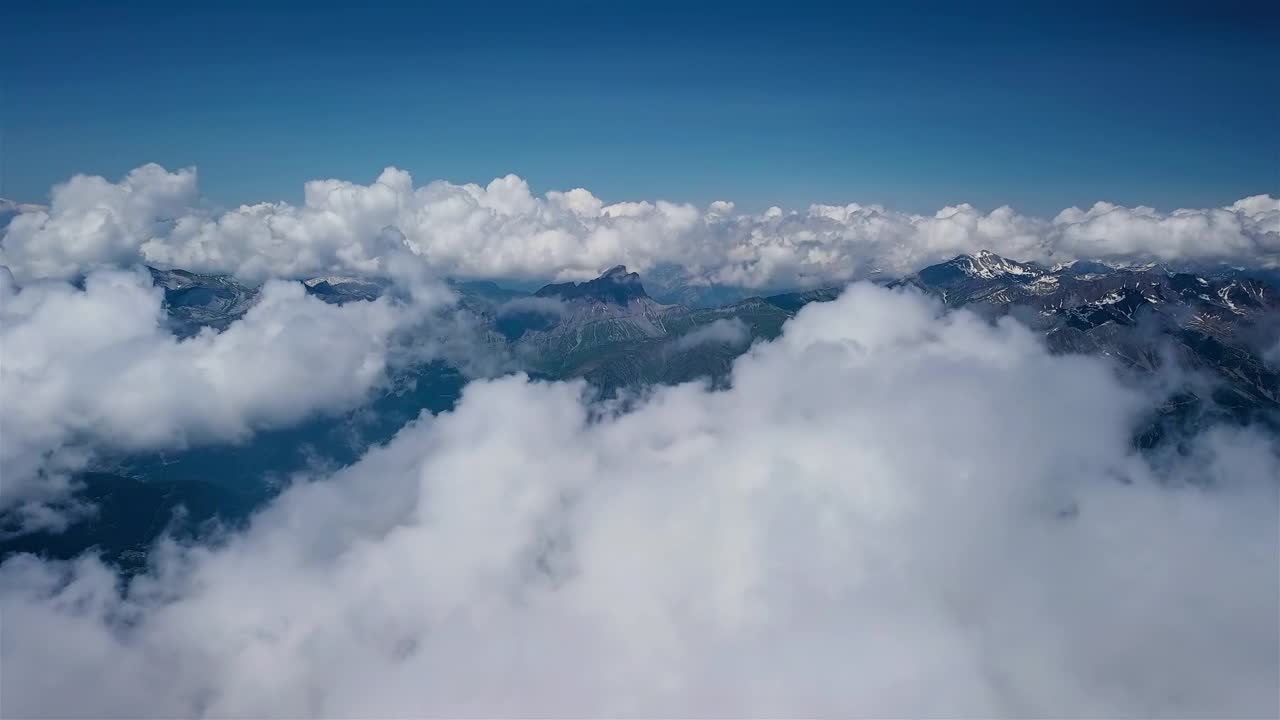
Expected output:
(915, 107)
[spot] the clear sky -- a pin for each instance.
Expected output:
(1037, 105)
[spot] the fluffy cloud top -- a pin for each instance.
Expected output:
(97, 367)
(732, 332)
(893, 512)
(503, 230)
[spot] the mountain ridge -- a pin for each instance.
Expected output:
(615, 285)
(1212, 320)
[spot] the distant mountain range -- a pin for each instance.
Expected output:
(610, 331)
(1221, 322)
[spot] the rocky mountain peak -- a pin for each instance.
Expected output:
(616, 286)
(984, 265)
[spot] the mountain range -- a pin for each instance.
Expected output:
(1220, 323)
(612, 332)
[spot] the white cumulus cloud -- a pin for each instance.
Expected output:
(503, 230)
(97, 367)
(891, 512)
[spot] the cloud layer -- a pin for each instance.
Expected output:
(97, 368)
(502, 230)
(894, 511)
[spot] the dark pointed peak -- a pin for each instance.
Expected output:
(615, 286)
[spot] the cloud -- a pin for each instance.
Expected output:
(502, 230)
(92, 222)
(97, 368)
(893, 511)
(732, 332)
